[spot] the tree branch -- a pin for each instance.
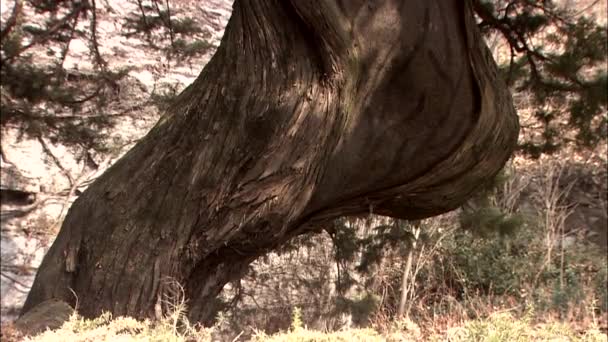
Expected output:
(12, 20)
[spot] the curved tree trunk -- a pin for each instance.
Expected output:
(305, 113)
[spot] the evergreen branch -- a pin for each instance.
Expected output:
(47, 34)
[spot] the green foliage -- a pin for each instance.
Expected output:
(34, 96)
(485, 220)
(185, 26)
(500, 327)
(360, 308)
(495, 256)
(46, 100)
(601, 289)
(345, 240)
(570, 291)
(157, 23)
(397, 236)
(580, 277)
(165, 96)
(559, 57)
(505, 327)
(482, 215)
(184, 49)
(142, 23)
(42, 98)
(492, 264)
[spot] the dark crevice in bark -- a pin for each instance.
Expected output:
(321, 59)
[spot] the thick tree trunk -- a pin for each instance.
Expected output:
(305, 113)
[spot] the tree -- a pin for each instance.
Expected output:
(305, 113)
(553, 56)
(557, 54)
(49, 101)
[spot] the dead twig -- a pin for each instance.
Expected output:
(50, 153)
(16, 282)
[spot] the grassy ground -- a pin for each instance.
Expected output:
(496, 327)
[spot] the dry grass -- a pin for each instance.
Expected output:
(499, 326)
(107, 328)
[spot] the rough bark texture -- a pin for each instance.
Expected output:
(308, 111)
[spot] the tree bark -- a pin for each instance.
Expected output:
(307, 112)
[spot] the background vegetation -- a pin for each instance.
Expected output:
(513, 264)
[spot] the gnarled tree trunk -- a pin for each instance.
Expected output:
(308, 111)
